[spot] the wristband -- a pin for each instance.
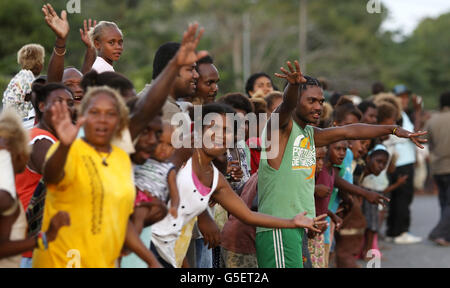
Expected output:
(44, 240)
(39, 242)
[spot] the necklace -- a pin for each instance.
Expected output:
(104, 163)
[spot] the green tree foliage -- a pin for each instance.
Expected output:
(344, 42)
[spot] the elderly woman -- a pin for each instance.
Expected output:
(92, 180)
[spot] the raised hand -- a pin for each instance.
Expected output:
(59, 220)
(402, 133)
(62, 123)
(187, 54)
(84, 33)
(294, 76)
(302, 221)
(59, 25)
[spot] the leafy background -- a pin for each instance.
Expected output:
(344, 42)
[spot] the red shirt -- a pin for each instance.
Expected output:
(324, 177)
(27, 181)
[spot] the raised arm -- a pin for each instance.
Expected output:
(60, 26)
(91, 54)
(225, 196)
(67, 133)
(291, 93)
(150, 104)
(324, 137)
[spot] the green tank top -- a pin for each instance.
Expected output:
(289, 190)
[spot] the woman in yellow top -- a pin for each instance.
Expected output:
(92, 180)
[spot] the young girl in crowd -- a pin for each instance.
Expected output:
(199, 181)
(377, 160)
(31, 59)
(107, 39)
(14, 154)
(92, 180)
(42, 136)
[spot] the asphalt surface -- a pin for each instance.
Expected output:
(425, 215)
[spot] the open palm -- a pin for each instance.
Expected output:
(62, 123)
(292, 76)
(302, 221)
(84, 33)
(187, 54)
(59, 25)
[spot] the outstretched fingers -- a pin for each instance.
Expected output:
(418, 141)
(51, 11)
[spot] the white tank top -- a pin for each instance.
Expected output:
(166, 232)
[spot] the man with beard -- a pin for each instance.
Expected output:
(286, 181)
(183, 86)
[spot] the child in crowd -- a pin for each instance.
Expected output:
(325, 174)
(107, 39)
(147, 208)
(156, 178)
(377, 160)
(199, 181)
(17, 95)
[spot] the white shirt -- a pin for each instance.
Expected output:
(166, 232)
(100, 65)
(404, 147)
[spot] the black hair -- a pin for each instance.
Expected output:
(219, 108)
(162, 57)
(237, 101)
(377, 88)
(310, 81)
(112, 79)
(252, 79)
(344, 107)
(444, 100)
(41, 92)
(205, 60)
(366, 104)
(386, 110)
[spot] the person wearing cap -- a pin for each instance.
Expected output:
(377, 161)
(439, 140)
(399, 216)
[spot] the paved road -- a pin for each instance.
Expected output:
(425, 214)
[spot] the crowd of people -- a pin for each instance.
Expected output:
(91, 175)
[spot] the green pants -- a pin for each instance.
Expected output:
(280, 248)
